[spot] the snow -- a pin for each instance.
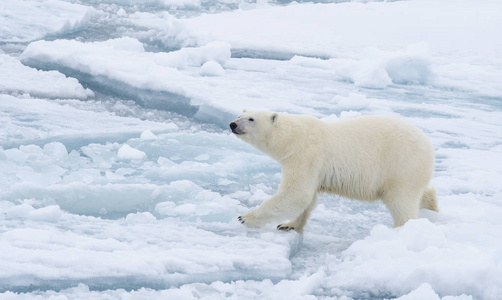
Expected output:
(422, 249)
(120, 179)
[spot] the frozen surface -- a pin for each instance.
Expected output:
(29, 20)
(75, 127)
(18, 79)
(58, 250)
(345, 26)
(153, 80)
(119, 178)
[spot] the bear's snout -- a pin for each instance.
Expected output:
(235, 128)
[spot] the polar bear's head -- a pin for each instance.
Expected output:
(254, 127)
(276, 134)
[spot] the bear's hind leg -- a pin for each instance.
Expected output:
(298, 223)
(402, 207)
(429, 200)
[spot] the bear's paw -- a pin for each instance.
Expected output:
(284, 227)
(251, 219)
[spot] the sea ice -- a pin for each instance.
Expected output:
(41, 124)
(18, 79)
(29, 20)
(120, 179)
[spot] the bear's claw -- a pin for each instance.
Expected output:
(284, 228)
(241, 220)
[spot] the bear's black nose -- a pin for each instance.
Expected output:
(233, 126)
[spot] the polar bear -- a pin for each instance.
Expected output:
(366, 158)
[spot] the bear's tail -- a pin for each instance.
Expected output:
(429, 200)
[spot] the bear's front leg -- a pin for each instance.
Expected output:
(300, 221)
(286, 204)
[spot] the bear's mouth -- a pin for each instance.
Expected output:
(237, 132)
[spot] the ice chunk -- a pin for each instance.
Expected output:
(40, 170)
(211, 68)
(408, 70)
(50, 213)
(126, 152)
(424, 291)
(374, 77)
(213, 52)
(144, 217)
(16, 78)
(18, 211)
(147, 135)
(31, 149)
(411, 67)
(57, 151)
(125, 44)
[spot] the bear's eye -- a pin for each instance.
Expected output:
(251, 119)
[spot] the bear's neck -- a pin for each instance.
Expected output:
(280, 144)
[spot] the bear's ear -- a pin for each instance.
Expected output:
(274, 117)
(244, 110)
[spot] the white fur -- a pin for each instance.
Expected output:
(366, 158)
